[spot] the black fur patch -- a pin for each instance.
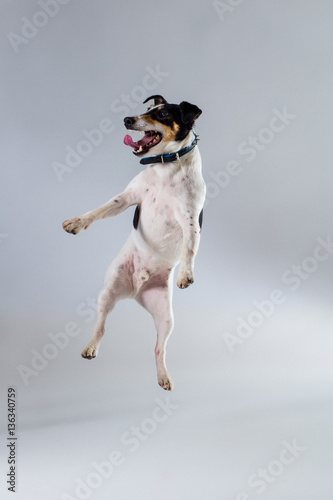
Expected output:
(136, 217)
(183, 115)
(200, 219)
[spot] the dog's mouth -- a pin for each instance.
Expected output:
(151, 138)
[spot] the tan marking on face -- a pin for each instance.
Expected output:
(169, 132)
(176, 127)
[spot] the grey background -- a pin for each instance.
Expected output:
(234, 409)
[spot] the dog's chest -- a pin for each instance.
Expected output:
(158, 206)
(164, 192)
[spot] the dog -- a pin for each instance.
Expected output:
(169, 197)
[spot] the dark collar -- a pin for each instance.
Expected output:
(170, 157)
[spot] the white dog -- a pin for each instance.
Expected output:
(169, 196)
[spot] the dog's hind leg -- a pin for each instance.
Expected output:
(158, 301)
(117, 286)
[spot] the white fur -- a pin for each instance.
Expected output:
(171, 197)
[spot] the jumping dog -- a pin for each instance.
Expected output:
(169, 196)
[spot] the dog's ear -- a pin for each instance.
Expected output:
(189, 112)
(158, 99)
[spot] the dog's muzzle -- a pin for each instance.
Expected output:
(150, 139)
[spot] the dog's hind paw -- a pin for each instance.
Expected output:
(90, 352)
(166, 383)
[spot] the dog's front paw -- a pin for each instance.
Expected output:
(90, 352)
(185, 279)
(75, 225)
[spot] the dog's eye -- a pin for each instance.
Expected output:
(163, 113)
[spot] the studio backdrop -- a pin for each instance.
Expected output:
(251, 352)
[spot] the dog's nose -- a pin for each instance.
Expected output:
(129, 120)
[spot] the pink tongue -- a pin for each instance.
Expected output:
(129, 141)
(148, 137)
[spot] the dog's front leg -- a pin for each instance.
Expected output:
(191, 239)
(113, 207)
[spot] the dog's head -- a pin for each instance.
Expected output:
(164, 125)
